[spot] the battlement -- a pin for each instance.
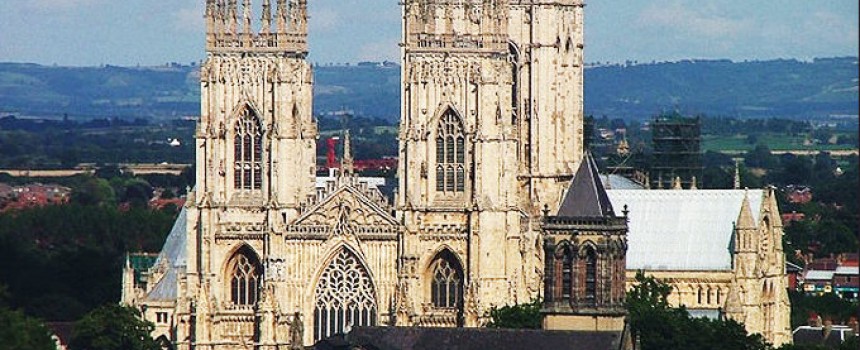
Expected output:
(231, 27)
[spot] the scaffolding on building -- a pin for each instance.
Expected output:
(677, 152)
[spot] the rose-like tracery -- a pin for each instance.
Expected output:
(344, 297)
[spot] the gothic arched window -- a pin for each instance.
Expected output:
(566, 274)
(344, 296)
(450, 154)
(446, 284)
(248, 152)
(590, 276)
(244, 275)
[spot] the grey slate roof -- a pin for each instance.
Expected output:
(688, 230)
(586, 196)
(173, 253)
(418, 338)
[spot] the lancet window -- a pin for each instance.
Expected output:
(566, 274)
(244, 275)
(446, 285)
(344, 297)
(248, 152)
(590, 276)
(450, 154)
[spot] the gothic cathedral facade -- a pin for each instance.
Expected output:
(491, 125)
(264, 256)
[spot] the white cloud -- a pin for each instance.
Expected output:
(190, 19)
(706, 21)
(323, 20)
(59, 5)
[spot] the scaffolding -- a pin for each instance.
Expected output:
(677, 152)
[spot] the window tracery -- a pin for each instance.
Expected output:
(244, 279)
(248, 152)
(446, 286)
(344, 297)
(450, 154)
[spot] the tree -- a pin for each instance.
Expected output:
(94, 191)
(521, 316)
(660, 326)
(19, 332)
(113, 327)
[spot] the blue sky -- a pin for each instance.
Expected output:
(151, 32)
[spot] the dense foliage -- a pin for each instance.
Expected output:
(61, 261)
(21, 332)
(520, 316)
(661, 327)
(827, 306)
(113, 327)
(43, 144)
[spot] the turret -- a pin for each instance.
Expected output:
(230, 26)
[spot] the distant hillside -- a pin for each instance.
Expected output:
(785, 88)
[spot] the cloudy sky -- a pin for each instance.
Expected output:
(150, 32)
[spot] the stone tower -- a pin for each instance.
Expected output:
(458, 196)
(491, 130)
(256, 156)
(585, 247)
(546, 44)
(758, 295)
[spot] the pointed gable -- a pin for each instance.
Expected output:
(586, 196)
(745, 217)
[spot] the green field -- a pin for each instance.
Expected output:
(776, 142)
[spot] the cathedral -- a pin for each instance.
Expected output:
(496, 202)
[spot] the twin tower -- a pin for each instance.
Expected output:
(491, 132)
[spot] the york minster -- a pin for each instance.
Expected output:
(497, 201)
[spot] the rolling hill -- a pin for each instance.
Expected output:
(784, 88)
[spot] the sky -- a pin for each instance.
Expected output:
(154, 32)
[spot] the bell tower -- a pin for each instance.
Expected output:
(458, 191)
(256, 152)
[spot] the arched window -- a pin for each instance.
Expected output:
(248, 152)
(446, 284)
(718, 295)
(566, 274)
(450, 154)
(709, 295)
(699, 296)
(244, 275)
(344, 297)
(590, 276)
